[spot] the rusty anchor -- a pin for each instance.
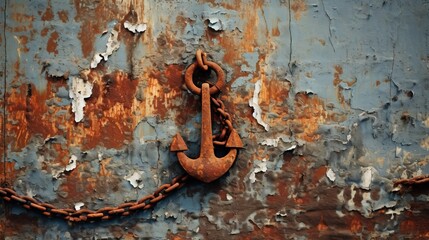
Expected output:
(207, 167)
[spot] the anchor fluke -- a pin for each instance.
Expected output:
(178, 144)
(234, 140)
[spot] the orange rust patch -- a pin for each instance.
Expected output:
(323, 42)
(109, 111)
(48, 15)
(298, 7)
(267, 232)
(377, 83)
(44, 32)
(318, 174)
(51, 46)
(163, 89)
(355, 225)
(309, 113)
(275, 31)
(27, 111)
(322, 226)
(26, 22)
(23, 40)
(10, 171)
(63, 15)
(103, 171)
(182, 235)
(336, 82)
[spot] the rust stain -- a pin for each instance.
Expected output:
(51, 46)
(234, 48)
(318, 174)
(322, 225)
(182, 235)
(355, 225)
(44, 32)
(299, 7)
(322, 42)
(275, 30)
(336, 82)
(10, 171)
(23, 40)
(309, 113)
(48, 15)
(103, 170)
(163, 90)
(267, 232)
(27, 111)
(93, 17)
(109, 111)
(63, 15)
(26, 22)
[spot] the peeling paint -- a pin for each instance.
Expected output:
(80, 90)
(72, 163)
(331, 175)
(260, 167)
(135, 179)
(112, 45)
(366, 177)
(254, 103)
(215, 24)
(78, 206)
(135, 28)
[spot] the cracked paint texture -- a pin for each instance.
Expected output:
(342, 86)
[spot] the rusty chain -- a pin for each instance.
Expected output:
(224, 117)
(105, 213)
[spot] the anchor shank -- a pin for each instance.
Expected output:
(207, 149)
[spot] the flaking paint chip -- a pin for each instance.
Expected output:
(80, 90)
(260, 166)
(254, 103)
(331, 175)
(72, 163)
(135, 28)
(135, 179)
(78, 206)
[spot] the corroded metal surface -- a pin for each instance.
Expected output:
(330, 98)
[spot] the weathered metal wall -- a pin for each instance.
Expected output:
(330, 98)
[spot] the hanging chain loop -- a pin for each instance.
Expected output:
(105, 213)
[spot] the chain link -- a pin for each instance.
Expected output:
(86, 215)
(225, 120)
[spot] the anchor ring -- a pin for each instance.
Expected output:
(213, 89)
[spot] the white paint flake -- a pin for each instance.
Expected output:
(135, 179)
(366, 177)
(78, 206)
(228, 197)
(111, 46)
(72, 163)
(331, 175)
(80, 90)
(260, 166)
(254, 103)
(135, 28)
(215, 24)
(396, 211)
(274, 142)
